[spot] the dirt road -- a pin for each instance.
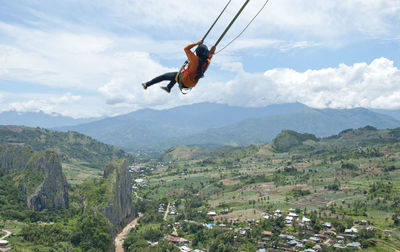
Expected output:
(119, 240)
(166, 212)
(8, 233)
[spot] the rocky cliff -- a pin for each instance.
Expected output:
(39, 174)
(14, 157)
(119, 209)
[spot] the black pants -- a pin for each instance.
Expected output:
(165, 77)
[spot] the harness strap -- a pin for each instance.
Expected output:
(178, 79)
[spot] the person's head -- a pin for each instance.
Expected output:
(202, 52)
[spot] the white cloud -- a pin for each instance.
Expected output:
(65, 104)
(331, 19)
(327, 19)
(372, 85)
(30, 106)
(68, 98)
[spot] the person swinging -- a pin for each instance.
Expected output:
(189, 76)
(198, 63)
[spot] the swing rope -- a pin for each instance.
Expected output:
(216, 20)
(266, 2)
(178, 75)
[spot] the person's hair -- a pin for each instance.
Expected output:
(202, 52)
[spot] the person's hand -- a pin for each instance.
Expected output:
(200, 42)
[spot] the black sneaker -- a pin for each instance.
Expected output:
(144, 85)
(166, 89)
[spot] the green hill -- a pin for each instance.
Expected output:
(288, 139)
(367, 136)
(82, 157)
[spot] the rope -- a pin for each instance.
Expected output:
(177, 77)
(231, 23)
(212, 26)
(266, 2)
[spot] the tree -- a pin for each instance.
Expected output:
(93, 233)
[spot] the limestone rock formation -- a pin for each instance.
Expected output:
(119, 209)
(39, 175)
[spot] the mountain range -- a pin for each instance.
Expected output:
(220, 124)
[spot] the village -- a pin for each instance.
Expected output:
(296, 234)
(275, 230)
(288, 241)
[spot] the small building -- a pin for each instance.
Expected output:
(314, 239)
(317, 247)
(305, 219)
(267, 233)
(139, 181)
(209, 226)
(354, 244)
(351, 230)
(180, 241)
(287, 237)
(3, 243)
(327, 224)
(185, 249)
(212, 213)
(338, 246)
(261, 245)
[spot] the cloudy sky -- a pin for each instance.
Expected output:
(87, 58)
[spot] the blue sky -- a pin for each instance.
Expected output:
(88, 58)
